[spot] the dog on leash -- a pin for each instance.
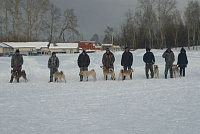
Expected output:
(107, 72)
(89, 73)
(59, 75)
(175, 70)
(123, 73)
(16, 75)
(156, 71)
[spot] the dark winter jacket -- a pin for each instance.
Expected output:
(149, 58)
(127, 59)
(17, 62)
(182, 58)
(108, 60)
(83, 60)
(169, 56)
(53, 62)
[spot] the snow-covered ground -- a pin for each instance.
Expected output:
(138, 106)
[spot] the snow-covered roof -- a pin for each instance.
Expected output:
(36, 45)
(108, 45)
(4, 45)
(39, 45)
(63, 45)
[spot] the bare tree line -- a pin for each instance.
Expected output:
(36, 20)
(158, 24)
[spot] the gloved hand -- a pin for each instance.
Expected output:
(18, 66)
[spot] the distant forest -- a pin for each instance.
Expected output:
(154, 23)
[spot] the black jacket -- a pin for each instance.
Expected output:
(149, 57)
(83, 60)
(182, 59)
(127, 59)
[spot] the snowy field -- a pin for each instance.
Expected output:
(138, 106)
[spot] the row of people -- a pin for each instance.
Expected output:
(108, 60)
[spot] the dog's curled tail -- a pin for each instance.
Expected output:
(61, 72)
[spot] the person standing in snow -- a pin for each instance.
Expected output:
(83, 63)
(149, 60)
(16, 64)
(108, 59)
(53, 64)
(182, 61)
(169, 60)
(127, 60)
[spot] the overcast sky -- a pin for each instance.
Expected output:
(95, 15)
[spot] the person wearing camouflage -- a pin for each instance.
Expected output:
(83, 63)
(149, 59)
(53, 64)
(169, 60)
(108, 59)
(16, 63)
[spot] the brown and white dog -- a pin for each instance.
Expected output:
(59, 75)
(16, 75)
(175, 70)
(156, 71)
(123, 73)
(89, 73)
(107, 72)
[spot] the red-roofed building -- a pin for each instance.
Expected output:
(86, 45)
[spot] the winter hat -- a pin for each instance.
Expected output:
(17, 51)
(107, 49)
(126, 47)
(148, 49)
(53, 53)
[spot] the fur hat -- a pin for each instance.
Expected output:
(17, 51)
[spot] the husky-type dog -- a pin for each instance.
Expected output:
(175, 70)
(16, 75)
(123, 73)
(88, 73)
(107, 72)
(156, 71)
(59, 75)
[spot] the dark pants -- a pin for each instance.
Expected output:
(147, 68)
(14, 70)
(52, 71)
(182, 71)
(127, 68)
(82, 69)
